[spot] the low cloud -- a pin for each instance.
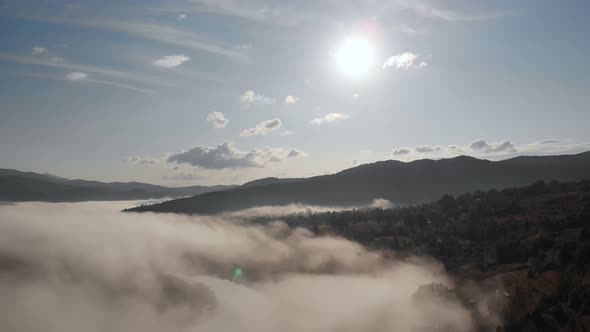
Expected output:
(76, 76)
(250, 97)
(217, 120)
(328, 118)
(553, 141)
(183, 177)
(291, 99)
(165, 272)
(171, 61)
(381, 203)
(262, 128)
(142, 160)
(226, 156)
(483, 146)
(400, 151)
(427, 148)
(181, 17)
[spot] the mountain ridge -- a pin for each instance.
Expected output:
(19, 186)
(403, 183)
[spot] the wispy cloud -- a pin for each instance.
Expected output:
(79, 77)
(76, 76)
(107, 72)
(430, 11)
(36, 50)
(150, 31)
(286, 133)
(171, 61)
(331, 117)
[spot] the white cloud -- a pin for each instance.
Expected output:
(401, 61)
(291, 99)
(217, 120)
(226, 156)
(171, 61)
(483, 146)
(37, 50)
(400, 151)
(76, 76)
(262, 128)
(181, 17)
(331, 117)
(381, 203)
(423, 64)
(250, 97)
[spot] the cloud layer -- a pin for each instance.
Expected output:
(482, 145)
(94, 269)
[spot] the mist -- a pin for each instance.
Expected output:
(87, 267)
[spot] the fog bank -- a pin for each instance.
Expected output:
(87, 267)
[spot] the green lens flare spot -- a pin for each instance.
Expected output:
(237, 274)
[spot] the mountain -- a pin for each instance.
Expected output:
(267, 181)
(403, 183)
(17, 186)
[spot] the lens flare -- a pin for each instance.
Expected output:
(237, 274)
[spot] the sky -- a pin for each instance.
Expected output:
(223, 92)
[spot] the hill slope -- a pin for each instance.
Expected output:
(402, 183)
(16, 186)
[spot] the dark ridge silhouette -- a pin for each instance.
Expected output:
(17, 186)
(269, 180)
(402, 183)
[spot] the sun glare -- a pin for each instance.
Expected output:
(355, 56)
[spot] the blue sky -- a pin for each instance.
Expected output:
(204, 92)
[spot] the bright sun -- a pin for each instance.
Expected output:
(355, 56)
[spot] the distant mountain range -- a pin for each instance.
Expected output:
(17, 186)
(403, 183)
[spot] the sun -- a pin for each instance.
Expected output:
(355, 57)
